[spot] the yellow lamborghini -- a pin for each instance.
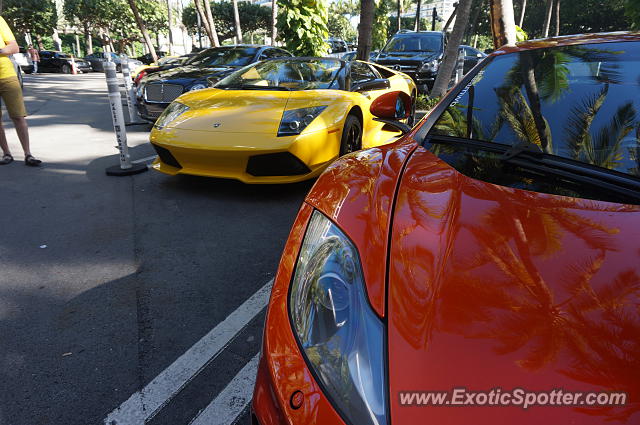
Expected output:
(277, 121)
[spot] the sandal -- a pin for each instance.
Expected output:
(31, 161)
(6, 159)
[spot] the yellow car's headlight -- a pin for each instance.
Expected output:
(172, 112)
(296, 120)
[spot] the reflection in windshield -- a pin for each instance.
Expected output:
(414, 44)
(223, 56)
(577, 102)
(285, 75)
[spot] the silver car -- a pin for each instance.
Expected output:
(98, 60)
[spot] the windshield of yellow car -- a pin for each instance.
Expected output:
(286, 74)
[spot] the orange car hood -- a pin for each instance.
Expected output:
(493, 287)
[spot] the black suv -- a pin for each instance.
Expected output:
(418, 54)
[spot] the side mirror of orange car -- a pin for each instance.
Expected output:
(392, 107)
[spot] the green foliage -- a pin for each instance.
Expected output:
(426, 103)
(339, 25)
(253, 18)
(521, 35)
(302, 26)
(380, 25)
(37, 17)
(632, 12)
(116, 17)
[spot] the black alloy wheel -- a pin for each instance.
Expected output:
(66, 69)
(351, 140)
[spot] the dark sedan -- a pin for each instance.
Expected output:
(156, 91)
(51, 61)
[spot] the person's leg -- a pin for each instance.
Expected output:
(35, 67)
(3, 140)
(22, 129)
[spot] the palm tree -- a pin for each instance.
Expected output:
(547, 18)
(204, 18)
(367, 10)
(451, 52)
(274, 19)
(522, 11)
(143, 29)
(236, 18)
(207, 8)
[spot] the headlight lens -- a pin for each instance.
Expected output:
(198, 86)
(296, 120)
(341, 336)
(431, 66)
(172, 112)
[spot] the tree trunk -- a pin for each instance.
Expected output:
(531, 87)
(204, 21)
(547, 19)
(236, 18)
(212, 26)
(170, 22)
(143, 29)
(39, 40)
(87, 40)
(503, 25)
(450, 59)
(524, 8)
(399, 15)
(274, 21)
(365, 28)
(557, 12)
(474, 22)
(417, 24)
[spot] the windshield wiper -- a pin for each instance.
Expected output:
(529, 156)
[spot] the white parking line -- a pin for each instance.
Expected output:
(144, 404)
(231, 401)
(137, 161)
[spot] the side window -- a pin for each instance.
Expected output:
(45, 55)
(361, 72)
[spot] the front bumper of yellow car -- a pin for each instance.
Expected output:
(248, 157)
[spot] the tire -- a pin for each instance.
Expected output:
(65, 69)
(351, 139)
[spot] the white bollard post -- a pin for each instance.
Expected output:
(131, 95)
(126, 168)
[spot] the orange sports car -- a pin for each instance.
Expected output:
(485, 268)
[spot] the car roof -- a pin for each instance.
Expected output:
(569, 40)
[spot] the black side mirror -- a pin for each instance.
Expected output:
(375, 84)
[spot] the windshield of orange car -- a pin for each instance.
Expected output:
(580, 103)
(285, 74)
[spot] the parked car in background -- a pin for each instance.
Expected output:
(51, 61)
(23, 59)
(337, 45)
(419, 54)
(98, 60)
(147, 59)
(471, 56)
(484, 269)
(156, 91)
(167, 62)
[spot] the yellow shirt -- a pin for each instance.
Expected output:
(6, 66)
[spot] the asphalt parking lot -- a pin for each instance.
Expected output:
(127, 300)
